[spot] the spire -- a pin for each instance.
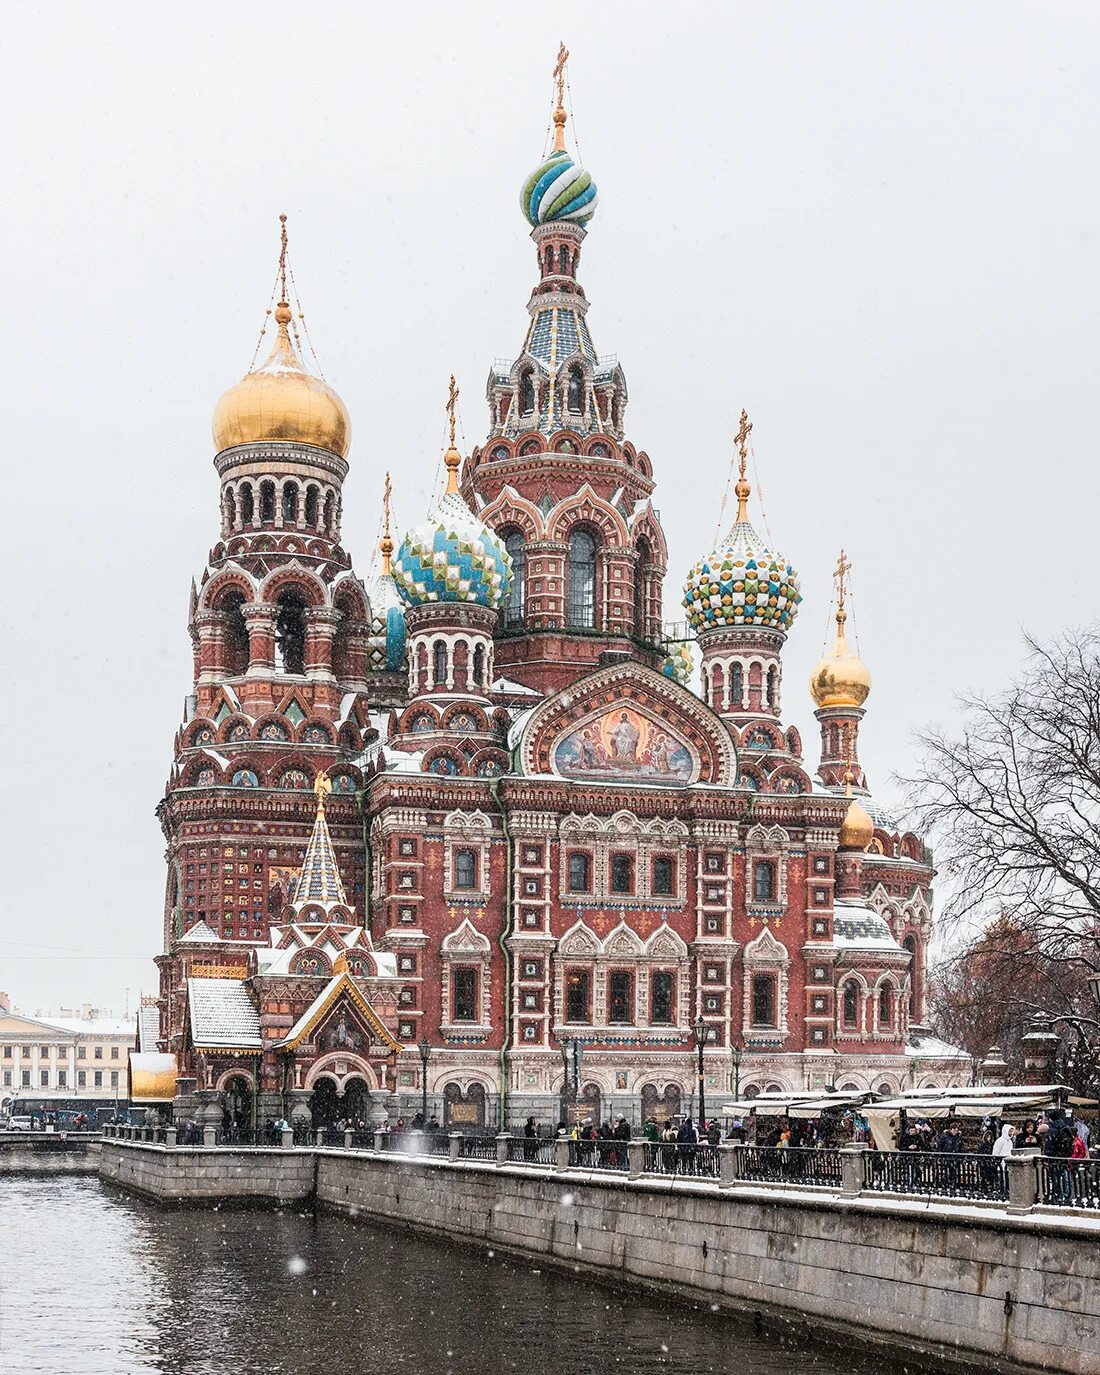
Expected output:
(385, 544)
(559, 112)
(743, 489)
(452, 458)
(319, 881)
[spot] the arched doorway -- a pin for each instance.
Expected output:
(356, 1102)
(463, 1111)
(587, 1107)
(237, 1105)
(660, 1106)
(324, 1105)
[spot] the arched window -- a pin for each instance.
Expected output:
(575, 397)
(773, 686)
(910, 943)
(290, 633)
(328, 520)
(311, 505)
(850, 1008)
(737, 686)
(290, 503)
(581, 609)
(640, 617)
(439, 662)
(513, 607)
(526, 393)
(479, 667)
(267, 501)
(549, 259)
(885, 1008)
(228, 510)
(244, 500)
(563, 259)
(236, 634)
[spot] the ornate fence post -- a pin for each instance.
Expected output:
(1023, 1182)
(729, 1163)
(287, 1137)
(170, 1136)
(635, 1158)
(209, 1135)
(502, 1147)
(454, 1141)
(853, 1162)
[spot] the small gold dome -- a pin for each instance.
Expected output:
(281, 400)
(841, 679)
(857, 830)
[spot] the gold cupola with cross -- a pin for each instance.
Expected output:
(839, 686)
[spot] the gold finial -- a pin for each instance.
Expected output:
(452, 458)
(386, 542)
(743, 489)
(282, 310)
(559, 112)
(843, 568)
(322, 786)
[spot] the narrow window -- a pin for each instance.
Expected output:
(575, 397)
(311, 505)
(526, 394)
(660, 998)
(479, 667)
(464, 1001)
(582, 580)
(328, 518)
(885, 1008)
(290, 633)
(576, 996)
(763, 1000)
(851, 1004)
(513, 607)
(290, 503)
(763, 880)
(910, 943)
(640, 618)
(622, 873)
(620, 988)
(244, 500)
(737, 686)
(664, 876)
(465, 869)
(439, 662)
(580, 878)
(236, 634)
(267, 501)
(563, 260)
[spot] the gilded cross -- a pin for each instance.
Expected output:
(282, 256)
(386, 504)
(843, 568)
(743, 439)
(452, 401)
(559, 72)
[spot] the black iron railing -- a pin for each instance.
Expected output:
(478, 1148)
(532, 1150)
(1069, 1183)
(690, 1159)
(947, 1175)
(600, 1154)
(791, 1165)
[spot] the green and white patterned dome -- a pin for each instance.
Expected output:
(742, 583)
(452, 557)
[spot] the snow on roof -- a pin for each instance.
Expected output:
(926, 1046)
(346, 704)
(199, 934)
(859, 927)
(92, 1026)
(506, 685)
(223, 1014)
(148, 1027)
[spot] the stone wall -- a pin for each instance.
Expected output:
(187, 1175)
(952, 1280)
(21, 1153)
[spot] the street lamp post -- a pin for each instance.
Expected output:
(735, 1055)
(701, 1031)
(425, 1055)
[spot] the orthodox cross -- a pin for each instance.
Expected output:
(742, 488)
(452, 399)
(386, 542)
(843, 568)
(559, 113)
(282, 257)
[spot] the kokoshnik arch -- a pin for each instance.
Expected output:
(478, 805)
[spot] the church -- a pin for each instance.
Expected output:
(470, 834)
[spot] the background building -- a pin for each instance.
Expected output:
(50, 1063)
(530, 836)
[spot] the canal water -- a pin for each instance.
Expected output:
(94, 1283)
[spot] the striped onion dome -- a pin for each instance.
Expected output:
(558, 190)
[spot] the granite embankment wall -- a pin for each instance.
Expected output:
(22, 1153)
(1013, 1293)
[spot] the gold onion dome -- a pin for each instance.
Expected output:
(281, 400)
(841, 679)
(857, 830)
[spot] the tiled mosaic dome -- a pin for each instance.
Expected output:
(452, 557)
(386, 647)
(742, 583)
(558, 190)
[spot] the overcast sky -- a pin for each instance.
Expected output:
(875, 226)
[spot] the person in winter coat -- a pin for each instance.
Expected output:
(1005, 1142)
(686, 1139)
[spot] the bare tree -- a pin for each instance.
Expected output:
(1013, 806)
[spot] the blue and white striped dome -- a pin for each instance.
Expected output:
(558, 190)
(452, 557)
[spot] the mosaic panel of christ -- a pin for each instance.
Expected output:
(623, 744)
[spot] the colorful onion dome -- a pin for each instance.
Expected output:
(857, 830)
(558, 190)
(452, 556)
(841, 679)
(678, 665)
(282, 401)
(742, 583)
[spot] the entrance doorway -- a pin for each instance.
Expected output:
(324, 1104)
(237, 1099)
(356, 1103)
